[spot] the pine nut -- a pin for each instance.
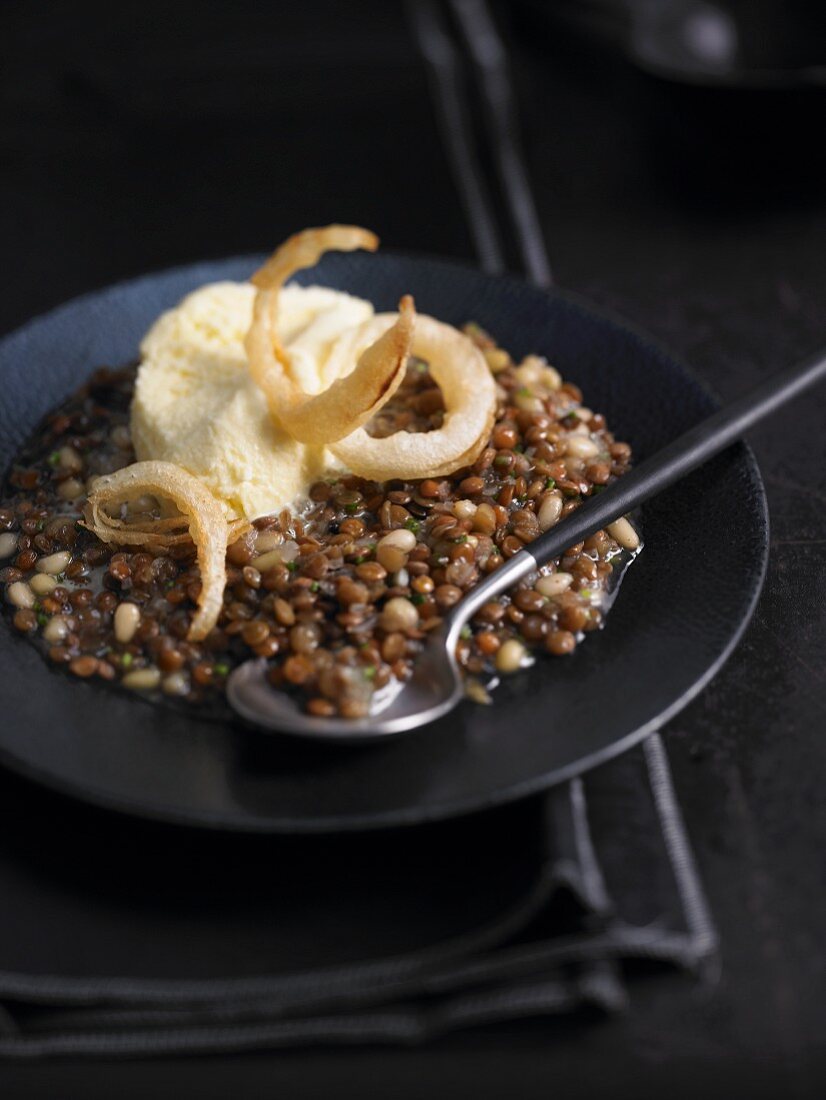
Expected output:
(121, 437)
(267, 540)
(70, 489)
(20, 595)
(392, 551)
(267, 561)
(126, 622)
(497, 359)
(142, 679)
(484, 519)
(55, 630)
(551, 378)
(529, 371)
(68, 459)
(176, 683)
(138, 505)
(464, 509)
(399, 614)
(580, 446)
(8, 545)
(510, 656)
(554, 584)
(42, 584)
(529, 402)
(54, 563)
(622, 531)
(550, 510)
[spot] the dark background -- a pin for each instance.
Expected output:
(134, 137)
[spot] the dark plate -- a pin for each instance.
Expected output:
(681, 610)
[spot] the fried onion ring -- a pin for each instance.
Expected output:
(201, 514)
(354, 397)
(469, 394)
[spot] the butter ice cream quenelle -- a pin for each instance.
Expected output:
(196, 404)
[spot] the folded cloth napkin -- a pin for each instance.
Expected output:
(121, 938)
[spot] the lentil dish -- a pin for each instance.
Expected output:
(337, 595)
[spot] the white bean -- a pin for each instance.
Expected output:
(55, 630)
(42, 584)
(126, 622)
(8, 545)
(20, 595)
(550, 510)
(54, 563)
(142, 679)
(622, 531)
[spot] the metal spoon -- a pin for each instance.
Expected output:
(436, 685)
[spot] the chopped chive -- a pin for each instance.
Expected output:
(417, 598)
(351, 509)
(549, 483)
(53, 458)
(369, 672)
(412, 525)
(222, 669)
(357, 561)
(126, 660)
(586, 592)
(523, 391)
(42, 618)
(315, 586)
(465, 632)
(292, 566)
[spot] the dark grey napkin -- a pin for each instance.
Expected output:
(125, 938)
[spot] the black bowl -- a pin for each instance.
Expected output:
(683, 606)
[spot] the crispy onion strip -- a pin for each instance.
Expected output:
(353, 398)
(201, 514)
(469, 394)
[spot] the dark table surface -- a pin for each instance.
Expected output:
(164, 133)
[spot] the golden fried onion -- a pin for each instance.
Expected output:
(469, 394)
(201, 515)
(353, 398)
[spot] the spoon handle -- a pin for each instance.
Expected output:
(673, 462)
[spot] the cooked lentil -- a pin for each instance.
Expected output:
(339, 597)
